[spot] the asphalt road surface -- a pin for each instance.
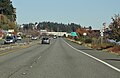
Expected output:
(57, 60)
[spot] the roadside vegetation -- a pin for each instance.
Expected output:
(110, 41)
(7, 15)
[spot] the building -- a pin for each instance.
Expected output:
(58, 33)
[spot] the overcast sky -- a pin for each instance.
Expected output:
(85, 12)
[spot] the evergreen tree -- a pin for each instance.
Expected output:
(7, 8)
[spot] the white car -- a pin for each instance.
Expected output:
(54, 37)
(19, 38)
(34, 38)
(45, 41)
(9, 39)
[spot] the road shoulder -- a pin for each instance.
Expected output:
(110, 58)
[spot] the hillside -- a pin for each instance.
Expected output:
(7, 15)
(5, 23)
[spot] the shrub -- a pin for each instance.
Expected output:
(88, 40)
(76, 39)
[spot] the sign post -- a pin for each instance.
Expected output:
(101, 35)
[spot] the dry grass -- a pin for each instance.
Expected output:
(115, 49)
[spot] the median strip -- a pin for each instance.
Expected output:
(20, 47)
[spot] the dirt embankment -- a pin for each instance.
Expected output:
(115, 49)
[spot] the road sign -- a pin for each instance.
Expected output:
(101, 32)
(73, 34)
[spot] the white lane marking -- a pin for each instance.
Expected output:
(39, 57)
(93, 57)
(24, 73)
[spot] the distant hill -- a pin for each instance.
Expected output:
(52, 26)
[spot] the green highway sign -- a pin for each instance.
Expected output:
(73, 34)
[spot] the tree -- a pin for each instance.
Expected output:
(115, 28)
(8, 11)
(12, 25)
(3, 22)
(90, 28)
(7, 7)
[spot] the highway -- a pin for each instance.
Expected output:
(60, 59)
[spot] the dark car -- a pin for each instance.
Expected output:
(45, 41)
(9, 39)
